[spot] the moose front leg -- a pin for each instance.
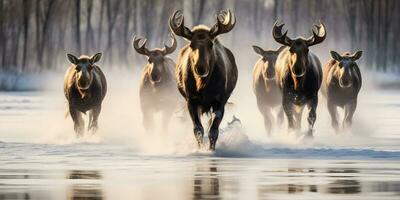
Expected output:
(267, 115)
(197, 127)
(217, 115)
(312, 115)
(280, 116)
(94, 116)
(288, 108)
(298, 114)
(79, 124)
(349, 112)
(332, 108)
(148, 122)
(166, 118)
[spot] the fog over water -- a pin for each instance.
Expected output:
(42, 159)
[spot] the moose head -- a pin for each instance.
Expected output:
(202, 39)
(84, 69)
(345, 67)
(299, 47)
(155, 57)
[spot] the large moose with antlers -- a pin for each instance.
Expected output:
(299, 75)
(206, 71)
(157, 85)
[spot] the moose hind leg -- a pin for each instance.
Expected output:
(217, 115)
(312, 114)
(93, 119)
(79, 124)
(197, 127)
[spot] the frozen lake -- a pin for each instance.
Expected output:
(41, 159)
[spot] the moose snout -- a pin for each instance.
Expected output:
(155, 78)
(83, 80)
(345, 82)
(201, 70)
(345, 78)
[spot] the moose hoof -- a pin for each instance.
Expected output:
(310, 134)
(93, 128)
(78, 131)
(198, 133)
(213, 137)
(212, 146)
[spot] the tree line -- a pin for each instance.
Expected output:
(35, 35)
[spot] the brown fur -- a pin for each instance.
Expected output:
(157, 85)
(88, 99)
(299, 75)
(206, 72)
(266, 88)
(337, 95)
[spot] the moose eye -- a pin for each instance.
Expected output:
(90, 67)
(78, 68)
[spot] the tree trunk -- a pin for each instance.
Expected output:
(26, 16)
(89, 37)
(78, 26)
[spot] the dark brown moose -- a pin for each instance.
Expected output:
(206, 71)
(265, 87)
(299, 75)
(342, 82)
(85, 87)
(157, 85)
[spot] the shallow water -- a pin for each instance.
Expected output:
(41, 159)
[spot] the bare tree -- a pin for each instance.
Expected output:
(26, 16)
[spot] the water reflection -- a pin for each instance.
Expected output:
(201, 179)
(88, 189)
(345, 183)
(345, 186)
(206, 183)
(341, 181)
(14, 195)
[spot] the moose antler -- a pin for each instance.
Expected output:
(225, 23)
(176, 23)
(278, 36)
(318, 36)
(140, 49)
(169, 49)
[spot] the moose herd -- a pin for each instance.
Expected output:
(205, 74)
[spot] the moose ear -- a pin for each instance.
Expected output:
(95, 58)
(336, 56)
(357, 55)
(73, 59)
(258, 50)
